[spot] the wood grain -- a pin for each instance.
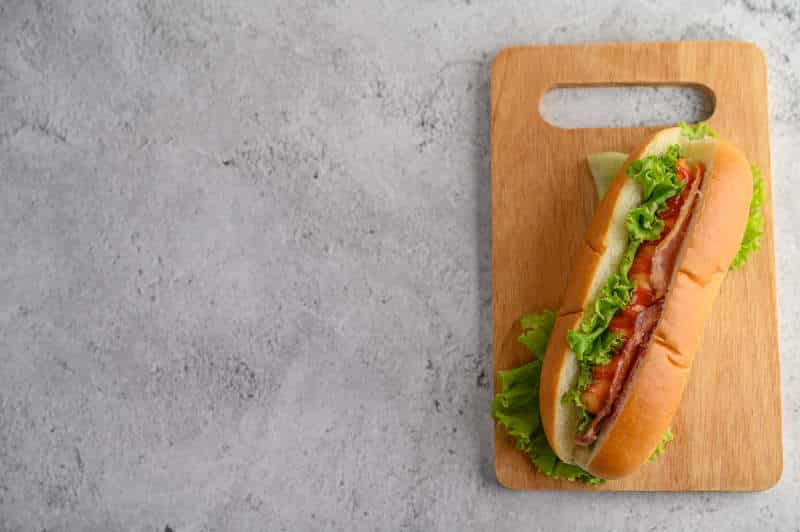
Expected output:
(728, 429)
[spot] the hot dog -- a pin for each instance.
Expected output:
(642, 287)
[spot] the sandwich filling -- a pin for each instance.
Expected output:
(616, 332)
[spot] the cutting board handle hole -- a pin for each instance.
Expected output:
(619, 106)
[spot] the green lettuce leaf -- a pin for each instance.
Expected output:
(751, 240)
(656, 175)
(516, 406)
(627, 258)
(587, 341)
(536, 329)
(662, 446)
(573, 397)
(642, 223)
(697, 131)
(546, 461)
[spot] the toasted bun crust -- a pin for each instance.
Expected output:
(653, 392)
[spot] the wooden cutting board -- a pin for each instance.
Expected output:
(728, 428)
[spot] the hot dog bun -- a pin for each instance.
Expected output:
(653, 390)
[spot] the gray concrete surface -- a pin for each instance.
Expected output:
(245, 275)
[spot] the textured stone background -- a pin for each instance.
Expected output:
(245, 276)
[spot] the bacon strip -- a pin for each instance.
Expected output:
(666, 253)
(633, 348)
